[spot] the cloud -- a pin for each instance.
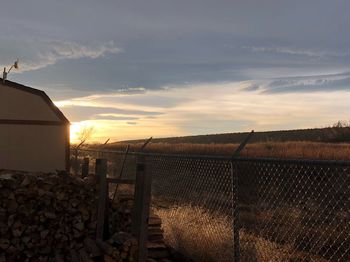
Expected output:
(303, 84)
(39, 53)
(135, 99)
(81, 113)
(140, 100)
(298, 51)
(251, 86)
(112, 117)
(166, 44)
(58, 50)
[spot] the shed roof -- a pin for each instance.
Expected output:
(41, 94)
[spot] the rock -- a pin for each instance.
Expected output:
(26, 181)
(4, 244)
(12, 206)
(44, 233)
(91, 247)
(50, 215)
(6, 176)
(79, 226)
(108, 258)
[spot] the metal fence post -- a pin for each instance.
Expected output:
(102, 214)
(235, 206)
(76, 164)
(141, 209)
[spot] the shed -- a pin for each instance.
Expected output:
(34, 133)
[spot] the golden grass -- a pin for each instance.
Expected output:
(194, 232)
(206, 236)
(255, 249)
(299, 150)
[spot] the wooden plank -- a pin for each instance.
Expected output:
(142, 199)
(121, 181)
(85, 167)
(76, 164)
(102, 213)
(143, 206)
(139, 181)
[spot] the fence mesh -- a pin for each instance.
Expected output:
(193, 197)
(294, 210)
(288, 210)
(115, 162)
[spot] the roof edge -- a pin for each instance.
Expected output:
(40, 93)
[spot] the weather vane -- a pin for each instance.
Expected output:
(5, 73)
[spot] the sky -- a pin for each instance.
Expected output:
(135, 69)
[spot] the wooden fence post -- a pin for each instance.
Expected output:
(76, 164)
(102, 213)
(121, 171)
(85, 167)
(143, 184)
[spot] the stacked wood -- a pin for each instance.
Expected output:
(157, 250)
(127, 247)
(122, 210)
(122, 213)
(52, 217)
(122, 218)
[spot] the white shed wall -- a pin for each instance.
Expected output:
(19, 105)
(33, 147)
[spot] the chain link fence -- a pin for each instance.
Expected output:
(294, 210)
(115, 162)
(193, 197)
(288, 210)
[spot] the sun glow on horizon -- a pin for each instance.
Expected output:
(76, 128)
(194, 110)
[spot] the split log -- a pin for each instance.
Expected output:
(52, 217)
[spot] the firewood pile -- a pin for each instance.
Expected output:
(157, 250)
(52, 217)
(122, 217)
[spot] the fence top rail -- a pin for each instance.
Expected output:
(228, 158)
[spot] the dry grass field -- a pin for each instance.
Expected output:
(207, 236)
(332, 143)
(298, 150)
